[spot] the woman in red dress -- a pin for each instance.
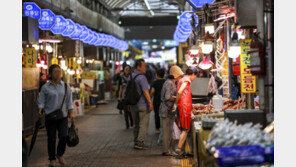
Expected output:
(184, 102)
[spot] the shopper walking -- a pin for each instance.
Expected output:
(56, 101)
(122, 90)
(141, 110)
(168, 97)
(184, 102)
(155, 92)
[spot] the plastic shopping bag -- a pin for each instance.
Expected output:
(176, 132)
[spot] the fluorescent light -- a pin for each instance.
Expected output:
(50, 40)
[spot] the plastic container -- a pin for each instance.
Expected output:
(240, 155)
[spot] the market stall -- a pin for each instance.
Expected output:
(225, 47)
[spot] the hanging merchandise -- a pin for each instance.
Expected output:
(257, 56)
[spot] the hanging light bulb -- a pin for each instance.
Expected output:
(207, 47)
(207, 43)
(79, 61)
(206, 63)
(235, 47)
(49, 48)
(194, 50)
(210, 28)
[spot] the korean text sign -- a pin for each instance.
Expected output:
(31, 56)
(60, 25)
(47, 20)
(248, 81)
(32, 10)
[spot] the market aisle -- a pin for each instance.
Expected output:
(104, 141)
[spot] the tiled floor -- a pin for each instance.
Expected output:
(104, 141)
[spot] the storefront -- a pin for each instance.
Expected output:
(229, 54)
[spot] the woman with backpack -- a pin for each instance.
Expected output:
(123, 83)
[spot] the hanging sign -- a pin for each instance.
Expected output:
(89, 37)
(199, 3)
(248, 81)
(84, 33)
(31, 55)
(47, 20)
(100, 40)
(32, 10)
(54, 61)
(94, 40)
(77, 31)
(60, 26)
(88, 75)
(69, 28)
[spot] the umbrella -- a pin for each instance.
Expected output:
(37, 125)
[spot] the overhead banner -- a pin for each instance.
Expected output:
(32, 10)
(248, 81)
(47, 20)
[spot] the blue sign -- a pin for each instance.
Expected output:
(199, 3)
(60, 26)
(47, 20)
(100, 40)
(32, 10)
(84, 33)
(94, 40)
(89, 37)
(77, 31)
(69, 28)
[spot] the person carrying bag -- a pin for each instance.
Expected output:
(55, 101)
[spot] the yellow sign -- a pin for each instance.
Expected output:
(225, 65)
(248, 81)
(88, 75)
(54, 61)
(31, 55)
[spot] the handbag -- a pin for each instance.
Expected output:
(120, 105)
(72, 137)
(57, 114)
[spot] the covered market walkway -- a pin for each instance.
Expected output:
(104, 141)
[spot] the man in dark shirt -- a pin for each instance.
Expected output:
(156, 92)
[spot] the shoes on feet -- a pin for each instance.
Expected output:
(52, 163)
(62, 160)
(141, 146)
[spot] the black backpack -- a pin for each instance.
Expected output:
(132, 95)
